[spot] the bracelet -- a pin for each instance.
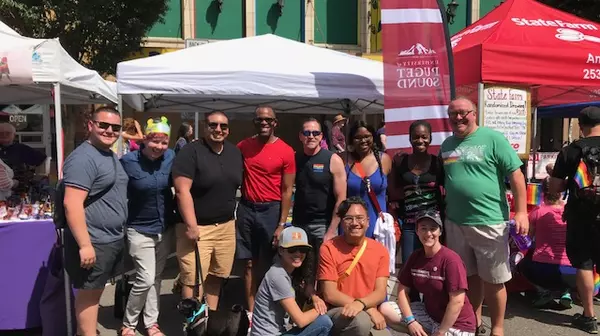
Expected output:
(361, 301)
(409, 319)
(409, 323)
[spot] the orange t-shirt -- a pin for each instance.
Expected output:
(336, 256)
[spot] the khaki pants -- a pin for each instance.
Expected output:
(217, 251)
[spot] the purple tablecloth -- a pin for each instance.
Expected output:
(25, 248)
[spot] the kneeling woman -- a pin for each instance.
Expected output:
(276, 295)
(440, 275)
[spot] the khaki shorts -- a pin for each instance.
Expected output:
(216, 247)
(483, 248)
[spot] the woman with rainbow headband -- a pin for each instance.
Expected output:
(149, 224)
(547, 265)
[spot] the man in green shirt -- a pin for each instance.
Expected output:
(476, 162)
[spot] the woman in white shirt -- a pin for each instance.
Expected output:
(7, 181)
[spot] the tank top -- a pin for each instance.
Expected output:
(358, 187)
(314, 199)
(421, 192)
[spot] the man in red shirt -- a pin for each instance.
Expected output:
(269, 174)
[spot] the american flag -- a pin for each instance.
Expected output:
(417, 74)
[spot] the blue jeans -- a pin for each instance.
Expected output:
(319, 327)
(409, 242)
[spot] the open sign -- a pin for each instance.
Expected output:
(19, 121)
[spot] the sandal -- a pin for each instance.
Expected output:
(127, 331)
(154, 330)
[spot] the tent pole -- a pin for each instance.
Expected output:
(480, 99)
(120, 138)
(196, 124)
(535, 142)
(59, 131)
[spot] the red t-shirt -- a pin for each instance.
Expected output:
(435, 277)
(264, 167)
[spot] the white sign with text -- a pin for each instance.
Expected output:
(507, 111)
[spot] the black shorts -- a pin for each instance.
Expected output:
(109, 262)
(255, 225)
(582, 244)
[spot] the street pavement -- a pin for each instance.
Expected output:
(521, 319)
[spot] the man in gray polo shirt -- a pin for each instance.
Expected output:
(94, 241)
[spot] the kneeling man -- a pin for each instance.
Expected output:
(353, 274)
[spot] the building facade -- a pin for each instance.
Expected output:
(351, 26)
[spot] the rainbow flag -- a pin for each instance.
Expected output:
(534, 194)
(596, 283)
(582, 176)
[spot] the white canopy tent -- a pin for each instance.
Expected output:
(56, 78)
(236, 75)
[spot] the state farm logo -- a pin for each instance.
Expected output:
(417, 67)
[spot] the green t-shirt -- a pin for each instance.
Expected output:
(474, 172)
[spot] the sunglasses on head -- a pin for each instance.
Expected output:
(313, 133)
(301, 249)
(214, 125)
(104, 125)
(258, 120)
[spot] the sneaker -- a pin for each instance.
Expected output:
(587, 324)
(566, 301)
(480, 330)
(542, 299)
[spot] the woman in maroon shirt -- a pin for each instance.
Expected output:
(440, 275)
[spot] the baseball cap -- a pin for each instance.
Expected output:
(589, 116)
(430, 214)
(293, 236)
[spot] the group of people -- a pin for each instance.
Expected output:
(326, 272)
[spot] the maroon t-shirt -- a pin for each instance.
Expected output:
(435, 277)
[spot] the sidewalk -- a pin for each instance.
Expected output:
(521, 319)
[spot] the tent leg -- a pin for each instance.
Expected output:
(534, 142)
(480, 99)
(196, 124)
(59, 131)
(120, 139)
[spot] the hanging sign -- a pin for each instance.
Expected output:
(508, 110)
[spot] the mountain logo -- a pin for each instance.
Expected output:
(417, 49)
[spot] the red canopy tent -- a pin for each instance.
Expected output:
(526, 43)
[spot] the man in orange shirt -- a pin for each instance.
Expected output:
(354, 293)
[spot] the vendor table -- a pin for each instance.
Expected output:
(25, 248)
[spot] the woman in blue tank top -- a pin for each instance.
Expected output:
(367, 168)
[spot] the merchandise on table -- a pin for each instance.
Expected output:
(34, 204)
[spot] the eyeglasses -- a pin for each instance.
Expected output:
(462, 114)
(214, 125)
(295, 249)
(351, 219)
(313, 133)
(104, 125)
(259, 121)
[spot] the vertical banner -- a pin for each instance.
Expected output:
(418, 74)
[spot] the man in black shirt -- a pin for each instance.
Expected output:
(320, 187)
(207, 174)
(583, 221)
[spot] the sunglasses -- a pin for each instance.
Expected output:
(462, 114)
(301, 249)
(104, 125)
(214, 125)
(313, 133)
(259, 121)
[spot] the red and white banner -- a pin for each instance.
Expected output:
(416, 71)
(16, 66)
